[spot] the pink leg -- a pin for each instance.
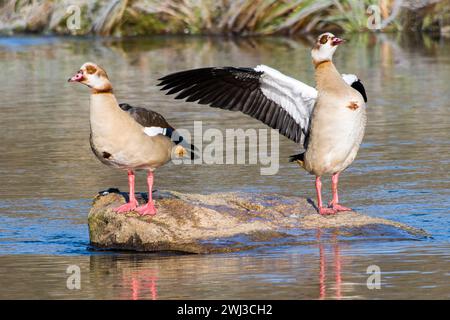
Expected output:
(335, 202)
(322, 210)
(148, 208)
(132, 204)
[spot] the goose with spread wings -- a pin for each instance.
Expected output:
(327, 121)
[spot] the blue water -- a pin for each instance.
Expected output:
(48, 175)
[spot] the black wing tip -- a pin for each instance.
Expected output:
(176, 75)
(358, 86)
(176, 79)
(222, 87)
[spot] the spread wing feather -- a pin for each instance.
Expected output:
(263, 93)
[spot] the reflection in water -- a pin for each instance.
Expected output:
(135, 279)
(337, 269)
(48, 174)
(143, 285)
(322, 269)
(139, 275)
(323, 266)
(317, 271)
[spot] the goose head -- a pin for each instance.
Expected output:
(93, 76)
(325, 47)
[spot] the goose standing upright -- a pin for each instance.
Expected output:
(126, 137)
(329, 122)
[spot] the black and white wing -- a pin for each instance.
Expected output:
(153, 122)
(263, 93)
(145, 117)
(354, 82)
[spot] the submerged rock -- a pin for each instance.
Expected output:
(225, 222)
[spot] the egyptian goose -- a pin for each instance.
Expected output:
(126, 137)
(328, 121)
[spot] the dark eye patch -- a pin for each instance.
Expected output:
(91, 69)
(323, 39)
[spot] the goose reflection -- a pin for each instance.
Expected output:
(337, 266)
(140, 284)
(312, 272)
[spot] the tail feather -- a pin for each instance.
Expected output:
(299, 158)
(191, 150)
(179, 140)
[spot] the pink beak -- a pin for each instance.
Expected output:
(336, 41)
(77, 77)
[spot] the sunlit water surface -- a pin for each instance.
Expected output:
(48, 174)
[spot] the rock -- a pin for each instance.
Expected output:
(226, 222)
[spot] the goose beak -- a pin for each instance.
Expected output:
(77, 77)
(337, 41)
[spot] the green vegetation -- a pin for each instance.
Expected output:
(244, 17)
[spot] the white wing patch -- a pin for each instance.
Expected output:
(296, 97)
(154, 131)
(292, 95)
(349, 78)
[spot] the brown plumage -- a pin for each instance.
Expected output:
(146, 117)
(126, 137)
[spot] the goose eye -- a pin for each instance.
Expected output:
(323, 39)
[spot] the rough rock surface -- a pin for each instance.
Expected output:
(225, 222)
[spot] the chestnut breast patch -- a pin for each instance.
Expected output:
(106, 155)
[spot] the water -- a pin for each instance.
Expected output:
(48, 174)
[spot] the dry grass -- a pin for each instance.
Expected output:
(244, 17)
